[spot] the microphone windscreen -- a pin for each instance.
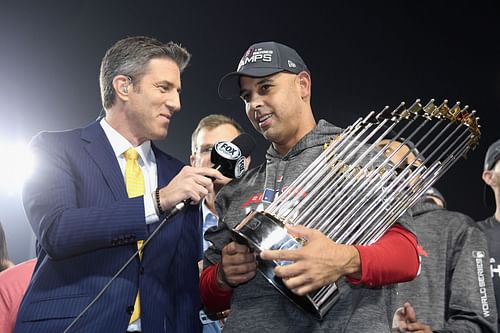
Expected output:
(245, 142)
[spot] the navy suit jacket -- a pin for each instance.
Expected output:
(87, 228)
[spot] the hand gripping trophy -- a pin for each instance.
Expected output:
(361, 184)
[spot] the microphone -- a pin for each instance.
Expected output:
(229, 157)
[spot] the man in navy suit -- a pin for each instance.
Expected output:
(87, 226)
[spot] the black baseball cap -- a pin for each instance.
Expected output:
(259, 60)
(492, 156)
(433, 192)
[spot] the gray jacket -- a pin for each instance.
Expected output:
(257, 306)
(491, 229)
(454, 291)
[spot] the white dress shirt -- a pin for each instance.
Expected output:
(147, 163)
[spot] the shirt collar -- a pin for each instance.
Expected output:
(121, 145)
(205, 211)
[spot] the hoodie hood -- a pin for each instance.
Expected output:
(424, 205)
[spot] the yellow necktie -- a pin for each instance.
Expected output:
(134, 181)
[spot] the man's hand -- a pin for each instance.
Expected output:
(238, 265)
(318, 263)
(406, 320)
(190, 183)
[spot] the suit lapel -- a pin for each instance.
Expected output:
(102, 153)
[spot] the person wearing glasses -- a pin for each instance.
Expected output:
(210, 130)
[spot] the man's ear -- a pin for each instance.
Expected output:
(487, 177)
(192, 160)
(304, 80)
(121, 85)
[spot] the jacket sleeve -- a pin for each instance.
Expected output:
(391, 259)
(471, 306)
(69, 205)
(213, 298)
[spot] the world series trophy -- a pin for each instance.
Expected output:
(363, 181)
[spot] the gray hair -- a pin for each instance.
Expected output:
(130, 57)
(210, 122)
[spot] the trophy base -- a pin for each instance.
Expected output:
(262, 231)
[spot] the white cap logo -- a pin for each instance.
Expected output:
(254, 56)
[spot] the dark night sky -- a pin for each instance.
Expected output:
(362, 57)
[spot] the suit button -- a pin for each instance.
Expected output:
(130, 309)
(141, 270)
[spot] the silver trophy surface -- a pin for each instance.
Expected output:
(363, 181)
